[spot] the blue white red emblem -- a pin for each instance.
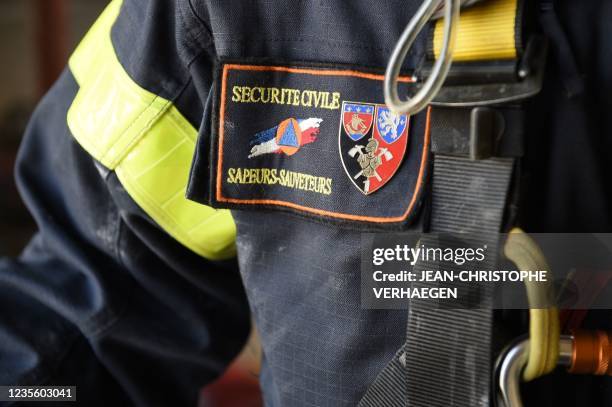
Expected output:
(287, 138)
(371, 156)
(390, 126)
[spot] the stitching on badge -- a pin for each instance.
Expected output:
(337, 215)
(331, 72)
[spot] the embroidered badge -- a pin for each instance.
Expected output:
(371, 156)
(313, 140)
(285, 138)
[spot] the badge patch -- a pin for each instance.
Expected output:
(357, 119)
(313, 140)
(285, 138)
(371, 159)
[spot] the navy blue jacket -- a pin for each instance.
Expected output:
(106, 299)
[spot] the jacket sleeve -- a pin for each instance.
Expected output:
(128, 290)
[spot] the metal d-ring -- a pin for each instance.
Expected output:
(434, 82)
(511, 363)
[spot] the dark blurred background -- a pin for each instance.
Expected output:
(36, 38)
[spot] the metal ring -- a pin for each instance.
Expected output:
(511, 363)
(511, 368)
(440, 69)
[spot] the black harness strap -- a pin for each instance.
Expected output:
(446, 360)
(448, 351)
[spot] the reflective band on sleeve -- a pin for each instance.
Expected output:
(146, 140)
(486, 31)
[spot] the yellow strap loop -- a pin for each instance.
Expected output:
(544, 326)
(486, 31)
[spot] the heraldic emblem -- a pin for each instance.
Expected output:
(372, 144)
(287, 137)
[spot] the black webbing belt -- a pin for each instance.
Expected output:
(446, 360)
(448, 351)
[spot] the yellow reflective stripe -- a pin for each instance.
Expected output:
(486, 31)
(111, 112)
(155, 174)
(146, 140)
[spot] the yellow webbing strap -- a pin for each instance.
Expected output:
(145, 139)
(486, 31)
(544, 325)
